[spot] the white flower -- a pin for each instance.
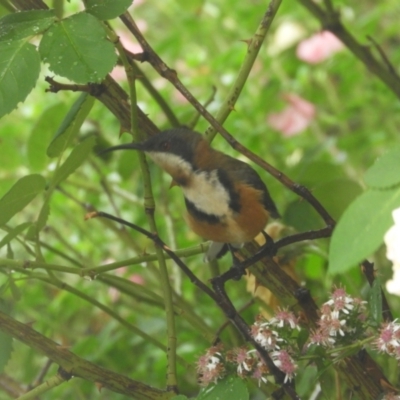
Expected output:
(213, 362)
(392, 241)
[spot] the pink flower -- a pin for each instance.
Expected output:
(136, 278)
(294, 118)
(265, 336)
(285, 363)
(318, 47)
(320, 337)
(388, 339)
(210, 366)
(284, 317)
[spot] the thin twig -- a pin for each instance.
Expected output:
(218, 295)
(384, 57)
(331, 21)
(196, 118)
(171, 75)
(239, 311)
(158, 242)
(253, 47)
(76, 365)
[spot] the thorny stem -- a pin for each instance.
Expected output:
(330, 20)
(171, 75)
(253, 47)
(218, 295)
(149, 205)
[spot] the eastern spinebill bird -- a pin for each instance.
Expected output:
(226, 200)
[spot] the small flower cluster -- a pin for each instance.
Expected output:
(210, 366)
(248, 364)
(388, 340)
(275, 336)
(342, 320)
(213, 365)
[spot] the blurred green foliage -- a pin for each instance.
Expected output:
(357, 120)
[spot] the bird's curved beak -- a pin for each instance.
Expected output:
(126, 146)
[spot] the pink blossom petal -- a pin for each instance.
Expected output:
(318, 47)
(302, 106)
(294, 118)
(136, 278)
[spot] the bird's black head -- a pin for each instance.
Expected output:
(181, 142)
(173, 150)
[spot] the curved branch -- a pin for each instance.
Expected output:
(76, 366)
(330, 20)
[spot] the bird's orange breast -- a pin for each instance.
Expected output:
(235, 227)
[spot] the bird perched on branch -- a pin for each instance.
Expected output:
(226, 200)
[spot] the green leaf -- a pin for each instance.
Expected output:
(43, 215)
(301, 216)
(20, 195)
(19, 70)
(14, 233)
(312, 172)
(78, 49)
(75, 159)
(23, 24)
(375, 301)
(227, 389)
(361, 229)
(6, 341)
(107, 9)
(337, 194)
(385, 172)
(41, 135)
(179, 397)
(71, 124)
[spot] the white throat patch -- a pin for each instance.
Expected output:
(207, 193)
(171, 163)
(204, 189)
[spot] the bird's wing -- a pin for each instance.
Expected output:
(246, 174)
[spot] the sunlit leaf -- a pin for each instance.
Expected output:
(107, 9)
(78, 49)
(385, 172)
(41, 135)
(71, 124)
(25, 23)
(19, 70)
(360, 230)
